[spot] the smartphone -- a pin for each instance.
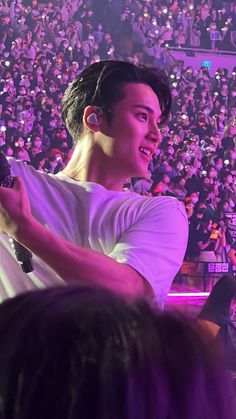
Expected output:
(215, 234)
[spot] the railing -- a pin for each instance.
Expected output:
(203, 51)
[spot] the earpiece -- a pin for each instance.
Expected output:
(93, 119)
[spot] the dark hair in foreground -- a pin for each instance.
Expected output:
(101, 85)
(83, 353)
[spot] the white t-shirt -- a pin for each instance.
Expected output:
(149, 234)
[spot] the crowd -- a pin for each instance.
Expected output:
(43, 47)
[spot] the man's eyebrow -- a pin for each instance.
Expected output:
(147, 108)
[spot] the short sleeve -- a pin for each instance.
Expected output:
(156, 243)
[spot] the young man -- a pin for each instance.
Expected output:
(81, 224)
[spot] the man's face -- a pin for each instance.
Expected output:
(133, 130)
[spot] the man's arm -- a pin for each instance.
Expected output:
(71, 262)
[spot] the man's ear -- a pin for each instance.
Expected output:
(92, 118)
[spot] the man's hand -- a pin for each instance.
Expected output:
(14, 208)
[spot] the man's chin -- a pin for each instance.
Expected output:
(141, 172)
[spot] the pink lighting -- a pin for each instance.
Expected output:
(188, 294)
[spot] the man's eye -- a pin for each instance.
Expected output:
(143, 116)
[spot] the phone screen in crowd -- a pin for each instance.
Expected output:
(215, 234)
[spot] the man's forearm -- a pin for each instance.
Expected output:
(72, 262)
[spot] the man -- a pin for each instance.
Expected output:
(83, 225)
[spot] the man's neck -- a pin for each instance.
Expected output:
(90, 164)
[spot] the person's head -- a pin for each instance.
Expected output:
(19, 153)
(193, 197)
(229, 178)
(102, 85)
(207, 223)
(180, 181)
(218, 163)
(22, 91)
(20, 142)
(39, 161)
(119, 106)
(212, 172)
(82, 352)
(39, 70)
(230, 129)
(165, 178)
(36, 141)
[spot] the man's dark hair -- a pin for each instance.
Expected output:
(80, 352)
(101, 85)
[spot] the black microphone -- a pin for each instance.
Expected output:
(23, 255)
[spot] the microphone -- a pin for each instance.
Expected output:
(23, 255)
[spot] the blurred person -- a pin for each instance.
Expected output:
(89, 46)
(232, 253)
(227, 35)
(64, 50)
(139, 29)
(2, 140)
(54, 163)
(125, 38)
(232, 111)
(227, 187)
(20, 154)
(193, 250)
(162, 186)
(88, 21)
(143, 185)
(21, 27)
(212, 199)
(178, 187)
(229, 138)
(84, 352)
(78, 53)
(221, 248)
(201, 126)
(115, 136)
(166, 32)
(223, 93)
(66, 13)
(19, 149)
(215, 36)
(152, 49)
(98, 33)
(180, 36)
(216, 315)
(205, 10)
(181, 16)
(208, 240)
(39, 162)
(167, 165)
(192, 197)
(219, 121)
(213, 18)
(35, 146)
(7, 150)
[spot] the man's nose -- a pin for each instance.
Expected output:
(154, 133)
